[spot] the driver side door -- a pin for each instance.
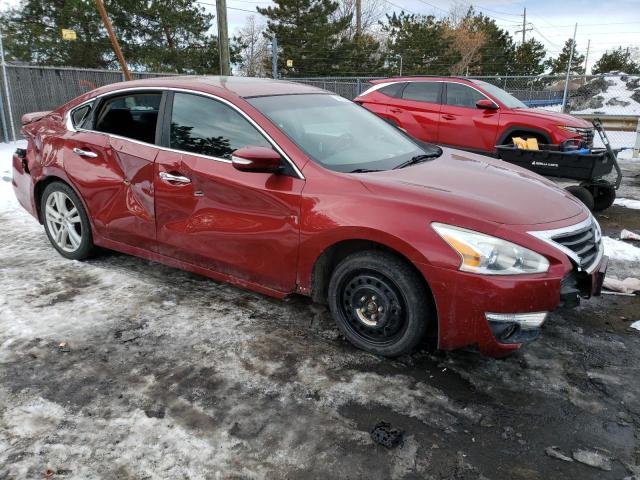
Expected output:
(241, 224)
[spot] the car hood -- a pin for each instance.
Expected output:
(559, 118)
(477, 186)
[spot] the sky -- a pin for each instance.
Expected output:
(607, 24)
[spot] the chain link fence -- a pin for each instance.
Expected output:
(614, 98)
(34, 89)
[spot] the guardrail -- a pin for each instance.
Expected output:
(618, 123)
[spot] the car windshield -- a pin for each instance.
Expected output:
(340, 135)
(503, 97)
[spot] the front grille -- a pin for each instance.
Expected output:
(587, 136)
(583, 242)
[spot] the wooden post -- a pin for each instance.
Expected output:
(114, 40)
(223, 37)
(358, 17)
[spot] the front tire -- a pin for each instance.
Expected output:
(66, 222)
(379, 303)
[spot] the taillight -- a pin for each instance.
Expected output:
(20, 159)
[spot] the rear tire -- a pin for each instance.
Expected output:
(66, 222)
(582, 194)
(604, 194)
(379, 303)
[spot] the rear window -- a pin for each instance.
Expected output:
(423, 92)
(393, 90)
(132, 116)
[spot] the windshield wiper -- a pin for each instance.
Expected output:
(363, 170)
(419, 159)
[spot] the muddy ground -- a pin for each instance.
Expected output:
(164, 374)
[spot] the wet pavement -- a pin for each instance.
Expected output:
(120, 368)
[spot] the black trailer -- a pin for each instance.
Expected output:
(572, 162)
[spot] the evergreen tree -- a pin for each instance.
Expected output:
(617, 60)
(308, 34)
(421, 42)
(361, 55)
(496, 54)
(154, 35)
(559, 64)
(528, 58)
(32, 34)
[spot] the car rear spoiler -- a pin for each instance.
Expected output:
(28, 118)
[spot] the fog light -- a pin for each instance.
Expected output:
(527, 321)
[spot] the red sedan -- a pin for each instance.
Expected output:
(467, 113)
(284, 188)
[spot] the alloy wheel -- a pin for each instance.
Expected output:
(63, 221)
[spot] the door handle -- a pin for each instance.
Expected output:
(169, 177)
(85, 153)
(395, 110)
(448, 117)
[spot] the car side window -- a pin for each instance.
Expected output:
(393, 90)
(133, 116)
(80, 114)
(459, 95)
(423, 92)
(209, 127)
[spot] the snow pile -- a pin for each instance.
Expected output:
(608, 95)
(627, 202)
(619, 250)
(8, 199)
(636, 325)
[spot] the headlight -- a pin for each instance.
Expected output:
(489, 255)
(578, 130)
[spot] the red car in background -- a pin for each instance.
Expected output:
(467, 113)
(285, 188)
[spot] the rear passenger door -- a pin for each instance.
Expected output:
(123, 179)
(465, 125)
(417, 109)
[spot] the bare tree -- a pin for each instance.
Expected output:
(466, 38)
(254, 49)
(372, 10)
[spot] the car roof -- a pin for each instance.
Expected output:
(419, 78)
(231, 86)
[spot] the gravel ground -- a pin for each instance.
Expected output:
(119, 368)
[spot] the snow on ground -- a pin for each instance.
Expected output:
(7, 197)
(636, 325)
(620, 250)
(617, 98)
(628, 203)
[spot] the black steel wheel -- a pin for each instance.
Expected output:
(379, 302)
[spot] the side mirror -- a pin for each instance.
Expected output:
(486, 104)
(256, 159)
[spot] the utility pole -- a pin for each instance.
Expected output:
(358, 17)
(566, 81)
(586, 59)
(114, 40)
(274, 56)
(223, 37)
(524, 26)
